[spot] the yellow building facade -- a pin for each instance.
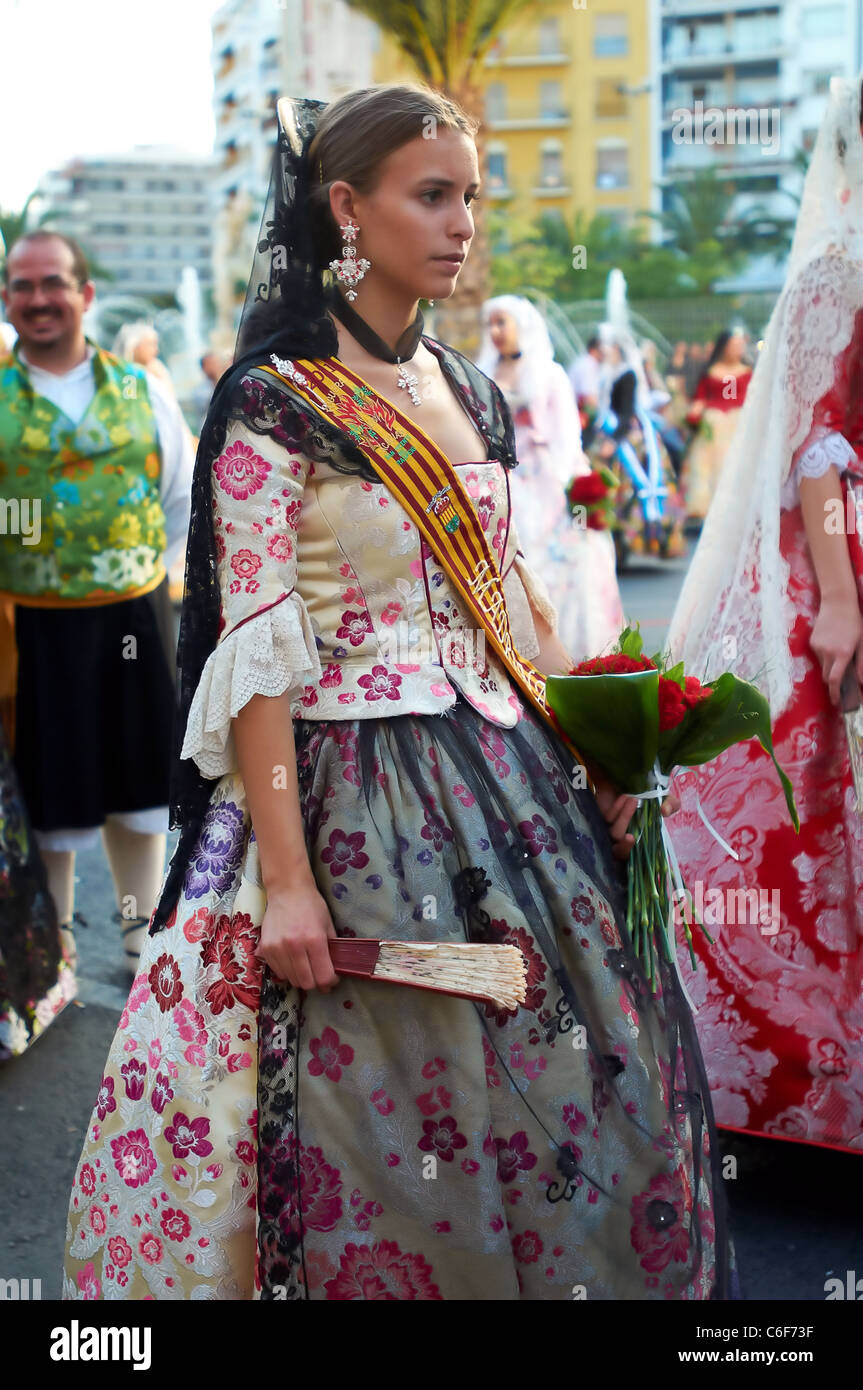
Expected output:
(567, 113)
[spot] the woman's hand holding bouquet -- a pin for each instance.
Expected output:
(636, 719)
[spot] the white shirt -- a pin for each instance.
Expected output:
(72, 393)
(584, 376)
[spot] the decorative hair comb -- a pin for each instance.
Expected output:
(467, 971)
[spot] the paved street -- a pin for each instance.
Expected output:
(796, 1212)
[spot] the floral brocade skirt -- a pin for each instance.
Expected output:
(251, 1140)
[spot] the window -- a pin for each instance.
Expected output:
(550, 101)
(612, 166)
(610, 100)
(610, 36)
(497, 175)
(549, 37)
(823, 22)
(495, 102)
(551, 172)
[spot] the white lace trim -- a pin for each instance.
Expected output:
(273, 652)
(830, 449)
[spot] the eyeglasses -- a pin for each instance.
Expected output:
(52, 285)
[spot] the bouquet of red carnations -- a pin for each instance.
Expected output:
(592, 494)
(637, 718)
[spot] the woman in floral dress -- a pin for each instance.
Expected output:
(262, 1129)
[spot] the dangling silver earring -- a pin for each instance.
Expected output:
(350, 271)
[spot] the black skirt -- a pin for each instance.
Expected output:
(94, 710)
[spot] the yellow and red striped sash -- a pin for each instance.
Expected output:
(426, 485)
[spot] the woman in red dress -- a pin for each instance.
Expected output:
(716, 405)
(775, 593)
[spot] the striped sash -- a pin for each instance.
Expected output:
(426, 485)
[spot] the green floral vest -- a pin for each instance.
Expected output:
(80, 507)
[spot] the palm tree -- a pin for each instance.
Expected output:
(14, 224)
(447, 42)
(702, 210)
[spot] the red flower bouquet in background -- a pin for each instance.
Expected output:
(637, 719)
(593, 494)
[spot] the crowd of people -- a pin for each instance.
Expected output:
(343, 759)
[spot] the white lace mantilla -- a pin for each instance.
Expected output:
(269, 654)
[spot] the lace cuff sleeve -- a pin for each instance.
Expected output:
(829, 448)
(267, 644)
(268, 654)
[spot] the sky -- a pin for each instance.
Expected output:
(84, 77)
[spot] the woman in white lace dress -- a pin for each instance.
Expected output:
(576, 563)
(774, 592)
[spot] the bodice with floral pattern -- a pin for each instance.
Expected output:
(329, 591)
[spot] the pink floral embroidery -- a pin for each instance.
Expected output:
(319, 1188)
(499, 538)
(513, 1157)
(329, 1055)
(527, 1247)
(188, 1136)
(345, 852)
(151, 1249)
(355, 627)
(240, 471)
(332, 676)
(90, 1286)
(246, 563)
(133, 1158)
(391, 613)
(441, 1137)
(175, 1223)
(105, 1101)
(658, 1232)
(280, 547)
(196, 927)
(382, 1102)
(119, 1251)
(165, 982)
(384, 1273)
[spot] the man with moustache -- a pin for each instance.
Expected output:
(96, 456)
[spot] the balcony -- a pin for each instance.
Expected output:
(551, 190)
(737, 160)
(502, 58)
(717, 99)
(695, 9)
(737, 45)
(526, 116)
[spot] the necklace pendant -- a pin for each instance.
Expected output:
(408, 382)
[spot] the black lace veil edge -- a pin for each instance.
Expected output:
(284, 313)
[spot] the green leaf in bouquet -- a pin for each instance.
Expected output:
(677, 674)
(613, 720)
(736, 711)
(629, 642)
